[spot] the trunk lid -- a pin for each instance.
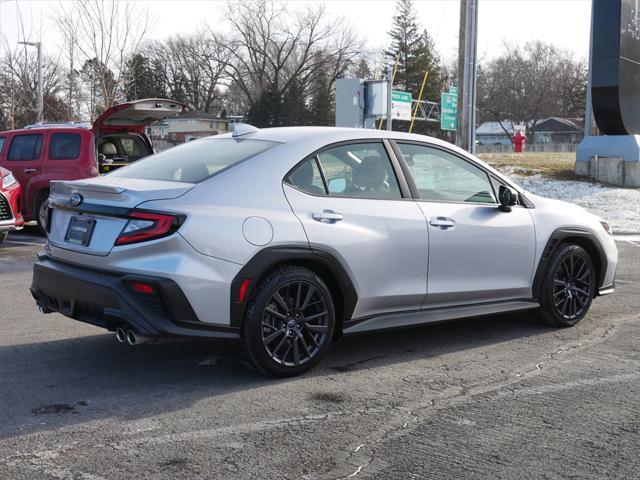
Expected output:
(138, 113)
(103, 203)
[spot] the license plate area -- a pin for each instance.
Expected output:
(79, 231)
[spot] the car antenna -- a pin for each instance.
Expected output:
(240, 129)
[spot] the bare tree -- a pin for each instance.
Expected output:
(194, 68)
(107, 33)
(274, 48)
(529, 83)
(18, 80)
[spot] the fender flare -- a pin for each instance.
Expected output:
(267, 259)
(555, 239)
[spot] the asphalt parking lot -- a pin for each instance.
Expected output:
(497, 397)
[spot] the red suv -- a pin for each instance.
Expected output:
(40, 153)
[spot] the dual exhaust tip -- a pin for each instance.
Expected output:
(131, 337)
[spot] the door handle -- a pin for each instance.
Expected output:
(327, 216)
(30, 170)
(442, 222)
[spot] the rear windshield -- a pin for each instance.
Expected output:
(195, 161)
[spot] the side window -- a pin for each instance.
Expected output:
(25, 148)
(64, 146)
(361, 170)
(1, 144)
(443, 177)
(306, 177)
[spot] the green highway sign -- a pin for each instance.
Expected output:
(453, 89)
(449, 111)
(401, 105)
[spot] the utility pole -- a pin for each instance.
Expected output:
(461, 133)
(588, 113)
(389, 89)
(40, 107)
(473, 66)
(467, 64)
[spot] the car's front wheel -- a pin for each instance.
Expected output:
(289, 322)
(568, 286)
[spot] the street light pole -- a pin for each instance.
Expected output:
(40, 107)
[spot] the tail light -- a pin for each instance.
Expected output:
(143, 226)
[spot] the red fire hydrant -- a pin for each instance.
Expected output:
(518, 142)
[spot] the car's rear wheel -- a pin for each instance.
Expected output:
(289, 322)
(568, 286)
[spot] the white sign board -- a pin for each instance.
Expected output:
(401, 105)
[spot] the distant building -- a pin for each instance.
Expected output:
(187, 126)
(492, 133)
(552, 130)
(559, 130)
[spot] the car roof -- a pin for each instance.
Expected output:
(328, 135)
(40, 127)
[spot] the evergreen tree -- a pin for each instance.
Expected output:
(321, 108)
(416, 53)
(405, 44)
(363, 71)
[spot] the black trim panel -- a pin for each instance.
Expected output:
(268, 258)
(104, 298)
(552, 244)
(416, 318)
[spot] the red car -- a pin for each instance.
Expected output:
(10, 199)
(71, 151)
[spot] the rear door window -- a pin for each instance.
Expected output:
(25, 148)
(359, 170)
(1, 144)
(307, 177)
(64, 146)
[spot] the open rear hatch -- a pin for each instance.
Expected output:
(138, 113)
(89, 216)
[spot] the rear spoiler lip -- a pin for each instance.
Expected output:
(58, 186)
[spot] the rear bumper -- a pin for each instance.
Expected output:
(105, 299)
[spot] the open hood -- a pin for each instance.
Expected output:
(139, 113)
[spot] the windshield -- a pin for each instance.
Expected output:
(195, 161)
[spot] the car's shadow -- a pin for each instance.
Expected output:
(47, 385)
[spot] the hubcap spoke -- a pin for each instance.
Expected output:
(316, 328)
(275, 314)
(281, 302)
(273, 336)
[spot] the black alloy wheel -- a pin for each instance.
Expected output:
(568, 286)
(572, 286)
(289, 322)
(295, 323)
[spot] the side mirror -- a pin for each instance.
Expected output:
(337, 185)
(507, 197)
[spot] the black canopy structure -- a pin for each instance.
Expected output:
(615, 88)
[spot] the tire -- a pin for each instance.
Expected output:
(568, 286)
(40, 209)
(278, 342)
(3, 236)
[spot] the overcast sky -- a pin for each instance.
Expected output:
(564, 23)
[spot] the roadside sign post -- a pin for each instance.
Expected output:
(449, 110)
(401, 105)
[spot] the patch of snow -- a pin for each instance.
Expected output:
(620, 207)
